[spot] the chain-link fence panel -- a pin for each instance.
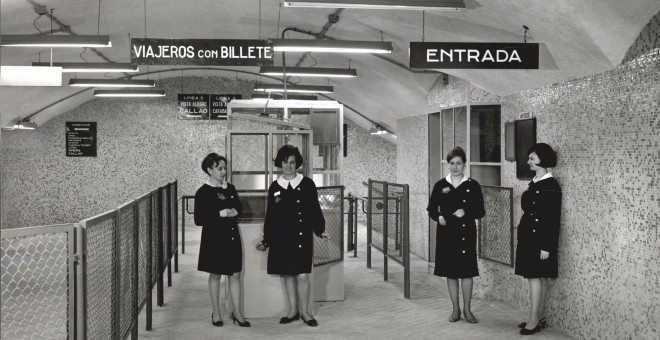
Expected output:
(125, 228)
(496, 228)
(100, 269)
(144, 212)
(331, 250)
(37, 276)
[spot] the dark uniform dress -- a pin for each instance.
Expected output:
(220, 251)
(293, 216)
(539, 229)
(456, 242)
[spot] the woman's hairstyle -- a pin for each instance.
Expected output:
(211, 160)
(285, 152)
(547, 156)
(456, 152)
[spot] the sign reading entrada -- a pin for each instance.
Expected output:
(452, 55)
(205, 52)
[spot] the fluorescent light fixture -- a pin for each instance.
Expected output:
(293, 88)
(129, 93)
(112, 83)
(24, 125)
(428, 5)
(376, 129)
(318, 45)
(30, 76)
(309, 72)
(279, 96)
(56, 40)
(93, 67)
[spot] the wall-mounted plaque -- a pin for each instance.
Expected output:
(509, 141)
(219, 105)
(193, 105)
(525, 131)
(81, 139)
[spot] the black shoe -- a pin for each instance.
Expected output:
(242, 324)
(311, 322)
(216, 323)
(470, 318)
(536, 329)
(290, 319)
(543, 321)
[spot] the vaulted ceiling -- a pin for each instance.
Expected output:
(576, 38)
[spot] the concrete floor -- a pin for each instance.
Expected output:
(372, 309)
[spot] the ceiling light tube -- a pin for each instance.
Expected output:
(24, 125)
(377, 129)
(278, 96)
(129, 93)
(56, 40)
(293, 88)
(93, 67)
(112, 83)
(309, 72)
(380, 4)
(340, 46)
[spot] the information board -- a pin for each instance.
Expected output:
(219, 105)
(193, 105)
(81, 139)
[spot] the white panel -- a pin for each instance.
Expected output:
(30, 76)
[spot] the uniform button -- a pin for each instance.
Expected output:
(468, 190)
(536, 219)
(299, 246)
(533, 230)
(299, 220)
(537, 192)
(533, 202)
(297, 201)
(232, 238)
(463, 238)
(300, 233)
(464, 225)
(463, 251)
(299, 213)
(463, 201)
(298, 189)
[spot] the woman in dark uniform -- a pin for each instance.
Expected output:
(220, 251)
(455, 203)
(538, 234)
(293, 216)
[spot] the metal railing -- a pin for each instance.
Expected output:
(352, 213)
(496, 228)
(394, 246)
(332, 205)
(108, 264)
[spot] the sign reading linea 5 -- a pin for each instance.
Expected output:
(206, 52)
(452, 55)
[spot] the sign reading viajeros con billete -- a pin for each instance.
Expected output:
(206, 52)
(462, 55)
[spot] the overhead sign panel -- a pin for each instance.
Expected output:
(461, 55)
(204, 52)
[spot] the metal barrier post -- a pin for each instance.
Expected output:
(184, 202)
(350, 246)
(149, 283)
(397, 243)
(159, 285)
(117, 284)
(81, 309)
(369, 225)
(169, 235)
(385, 228)
(406, 241)
(355, 227)
(176, 226)
(136, 281)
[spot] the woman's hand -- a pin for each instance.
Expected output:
(261, 247)
(232, 212)
(544, 255)
(459, 213)
(441, 220)
(325, 236)
(225, 212)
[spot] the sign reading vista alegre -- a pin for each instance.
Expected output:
(206, 52)
(453, 55)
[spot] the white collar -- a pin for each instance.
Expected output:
(448, 178)
(294, 182)
(224, 184)
(547, 175)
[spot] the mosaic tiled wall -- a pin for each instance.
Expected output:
(413, 169)
(606, 131)
(141, 145)
(648, 40)
(447, 91)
